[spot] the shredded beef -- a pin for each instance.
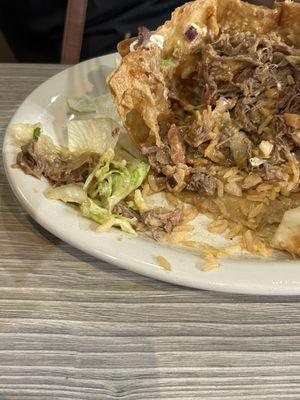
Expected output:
(241, 113)
(126, 212)
(202, 181)
(160, 158)
(254, 73)
(58, 169)
(161, 220)
(177, 146)
(279, 127)
(259, 76)
(29, 162)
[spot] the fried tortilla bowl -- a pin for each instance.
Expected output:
(213, 98)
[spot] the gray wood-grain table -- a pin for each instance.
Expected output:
(74, 327)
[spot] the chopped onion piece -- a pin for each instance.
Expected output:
(266, 148)
(256, 161)
(191, 33)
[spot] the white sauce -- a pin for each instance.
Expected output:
(158, 39)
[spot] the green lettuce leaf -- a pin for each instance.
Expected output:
(93, 211)
(81, 104)
(98, 106)
(21, 134)
(101, 107)
(97, 135)
(71, 193)
(114, 180)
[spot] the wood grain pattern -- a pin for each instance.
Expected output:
(73, 327)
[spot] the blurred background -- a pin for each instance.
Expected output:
(32, 30)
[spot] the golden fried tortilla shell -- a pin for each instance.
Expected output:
(139, 85)
(289, 21)
(138, 88)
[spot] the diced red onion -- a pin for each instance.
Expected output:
(191, 33)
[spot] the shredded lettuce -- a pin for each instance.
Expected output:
(91, 140)
(23, 133)
(71, 193)
(91, 210)
(100, 106)
(81, 104)
(109, 183)
(114, 180)
(97, 134)
(93, 108)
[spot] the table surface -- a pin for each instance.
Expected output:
(74, 327)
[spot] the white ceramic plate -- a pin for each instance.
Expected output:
(46, 104)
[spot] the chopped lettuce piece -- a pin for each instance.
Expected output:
(81, 104)
(100, 106)
(23, 133)
(71, 193)
(114, 180)
(104, 161)
(99, 214)
(46, 148)
(97, 134)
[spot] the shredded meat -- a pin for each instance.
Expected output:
(241, 113)
(247, 67)
(58, 169)
(195, 135)
(177, 146)
(157, 159)
(126, 212)
(160, 220)
(202, 181)
(233, 102)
